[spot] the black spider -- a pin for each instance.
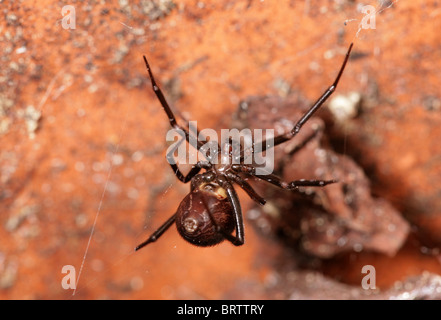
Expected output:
(211, 211)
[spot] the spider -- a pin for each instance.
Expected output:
(211, 211)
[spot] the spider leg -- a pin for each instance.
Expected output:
(305, 141)
(275, 180)
(166, 107)
(247, 188)
(262, 146)
(159, 232)
(299, 146)
(294, 185)
(194, 170)
(238, 239)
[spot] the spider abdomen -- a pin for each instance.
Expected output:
(205, 216)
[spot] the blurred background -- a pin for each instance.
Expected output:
(83, 174)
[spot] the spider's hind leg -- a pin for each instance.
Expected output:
(159, 232)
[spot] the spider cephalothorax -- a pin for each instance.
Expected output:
(211, 211)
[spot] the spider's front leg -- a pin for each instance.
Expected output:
(166, 107)
(262, 146)
(194, 170)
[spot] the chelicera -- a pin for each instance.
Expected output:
(211, 212)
